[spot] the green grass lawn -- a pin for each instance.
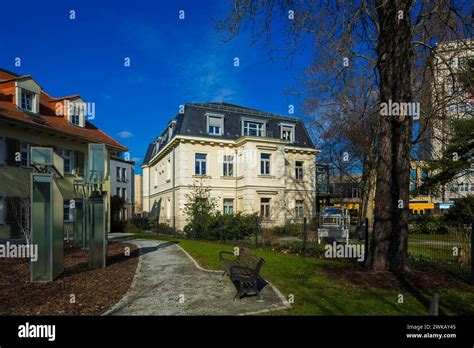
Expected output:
(315, 293)
(437, 247)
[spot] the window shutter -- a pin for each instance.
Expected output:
(215, 122)
(13, 146)
(79, 165)
(13, 215)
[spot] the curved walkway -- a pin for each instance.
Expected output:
(169, 282)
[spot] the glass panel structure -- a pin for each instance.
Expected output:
(46, 228)
(96, 163)
(98, 234)
(78, 223)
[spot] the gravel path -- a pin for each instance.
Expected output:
(169, 282)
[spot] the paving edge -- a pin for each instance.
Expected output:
(132, 285)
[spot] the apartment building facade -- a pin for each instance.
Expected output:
(444, 103)
(251, 160)
(31, 117)
(122, 184)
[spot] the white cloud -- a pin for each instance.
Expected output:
(125, 134)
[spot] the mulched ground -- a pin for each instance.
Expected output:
(417, 278)
(95, 291)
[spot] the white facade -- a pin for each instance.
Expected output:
(250, 174)
(448, 103)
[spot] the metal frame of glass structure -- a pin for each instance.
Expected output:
(47, 215)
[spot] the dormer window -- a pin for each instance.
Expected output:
(27, 100)
(253, 128)
(215, 124)
(171, 129)
(287, 132)
(77, 111)
(27, 93)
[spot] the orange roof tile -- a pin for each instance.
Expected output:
(47, 118)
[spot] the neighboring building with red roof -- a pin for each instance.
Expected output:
(31, 117)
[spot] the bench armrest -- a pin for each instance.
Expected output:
(221, 257)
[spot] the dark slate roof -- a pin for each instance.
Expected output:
(193, 123)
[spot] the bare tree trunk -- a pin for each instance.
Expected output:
(389, 242)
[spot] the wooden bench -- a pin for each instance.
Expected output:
(244, 272)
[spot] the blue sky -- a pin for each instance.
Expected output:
(173, 61)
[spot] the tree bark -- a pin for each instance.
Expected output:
(389, 242)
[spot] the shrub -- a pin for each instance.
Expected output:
(233, 226)
(425, 224)
(294, 230)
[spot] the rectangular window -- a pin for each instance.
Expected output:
(117, 173)
(215, 125)
(118, 192)
(254, 129)
(75, 119)
(156, 177)
(265, 208)
(200, 164)
(25, 155)
(228, 169)
(228, 206)
(67, 155)
(472, 187)
(27, 99)
(67, 212)
(464, 187)
(454, 187)
(299, 170)
(299, 209)
(124, 193)
(124, 175)
(2, 210)
(287, 133)
(265, 164)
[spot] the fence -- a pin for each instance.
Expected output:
(450, 251)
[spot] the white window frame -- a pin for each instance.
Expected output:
(77, 112)
(228, 166)
(261, 131)
(299, 170)
(210, 115)
(288, 127)
(26, 92)
(200, 161)
(267, 164)
(124, 193)
(69, 212)
(68, 156)
(117, 173)
(123, 174)
(171, 129)
(299, 206)
(265, 208)
(228, 206)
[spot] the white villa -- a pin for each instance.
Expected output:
(252, 161)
